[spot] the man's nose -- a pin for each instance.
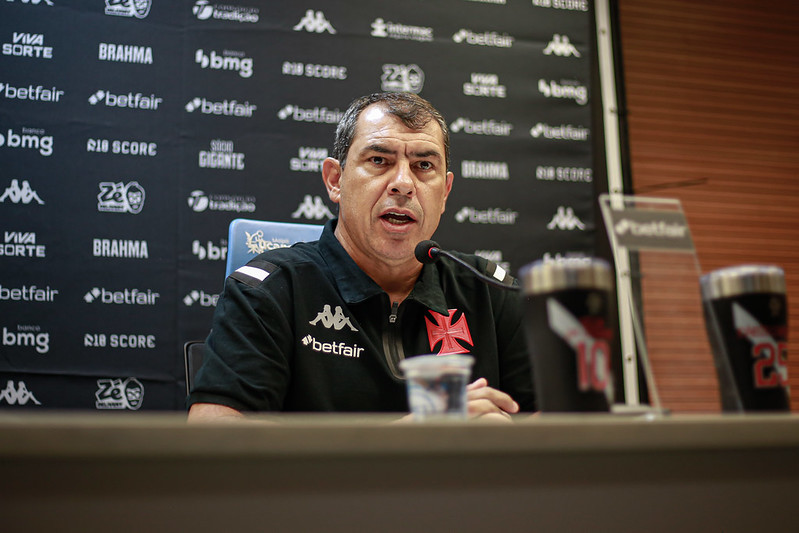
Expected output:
(402, 182)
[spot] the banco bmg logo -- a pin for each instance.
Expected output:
(27, 336)
(228, 60)
(28, 139)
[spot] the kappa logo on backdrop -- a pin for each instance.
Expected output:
(21, 244)
(335, 320)
(402, 78)
(30, 138)
(565, 219)
(120, 197)
(119, 394)
(442, 329)
(561, 46)
(313, 208)
(128, 8)
(34, 94)
(17, 395)
(27, 45)
(314, 22)
(35, 2)
(24, 195)
(204, 10)
(27, 336)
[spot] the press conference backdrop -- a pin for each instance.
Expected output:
(133, 132)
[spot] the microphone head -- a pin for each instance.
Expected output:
(427, 252)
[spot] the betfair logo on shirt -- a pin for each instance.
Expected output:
(335, 348)
(335, 320)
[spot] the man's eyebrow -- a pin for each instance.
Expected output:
(379, 148)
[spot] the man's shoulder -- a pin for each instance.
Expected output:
(280, 261)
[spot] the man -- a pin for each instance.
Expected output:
(323, 326)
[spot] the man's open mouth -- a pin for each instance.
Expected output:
(397, 218)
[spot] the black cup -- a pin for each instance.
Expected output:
(746, 318)
(567, 326)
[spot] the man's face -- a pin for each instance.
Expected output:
(393, 189)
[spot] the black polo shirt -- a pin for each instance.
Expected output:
(305, 329)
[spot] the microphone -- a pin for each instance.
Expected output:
(429, 252)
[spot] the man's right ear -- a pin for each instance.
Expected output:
(331, 175)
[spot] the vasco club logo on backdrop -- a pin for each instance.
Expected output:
(205, 10)
(104, 146)
(30, 138)
(21, 244)
(123, 297)
(27, 45)
(569, 5)
(27, 336)
(561, 46)
(34, 94)
(199, 201)
(119, 394)
(402, 78)
(120, 248)
(120, 197)
(487, 85)
(565, 220)
(393, 30)
(20, 195)
(309, 159)
(314, 22)
(564, 90)
(130, 100)
(256, 244)
(486, 216)
(489, 38)
(228, 60)
(318, 115)
(481, 127)
(128, 8)
(125, 53)
(564, 132)
(226, 108)
(221, 156)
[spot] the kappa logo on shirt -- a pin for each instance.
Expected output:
(442, 329)
(335, 320)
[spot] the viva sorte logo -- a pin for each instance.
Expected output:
(27, 45)
(119, 394)
(120, 197)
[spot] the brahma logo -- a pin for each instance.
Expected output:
(125, 53)
(485, 170)
(120, 248)
(119, 394)
(128, 8)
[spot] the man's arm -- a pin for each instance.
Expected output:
(208, 412)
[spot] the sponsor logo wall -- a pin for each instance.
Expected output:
(127, 148)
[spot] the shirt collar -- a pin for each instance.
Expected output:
(355, 286)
